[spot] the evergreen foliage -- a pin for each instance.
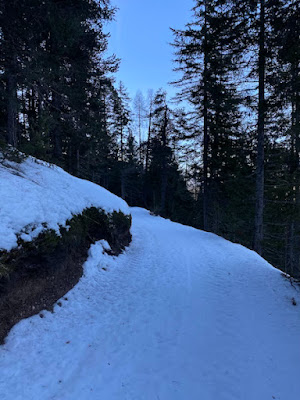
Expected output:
(226, 158)
(239, 65)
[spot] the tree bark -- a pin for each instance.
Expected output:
(56, 131)
(296, 129)
(259, 206)
(149, 137)
(12, 108)
(164, 166)
(205, 130)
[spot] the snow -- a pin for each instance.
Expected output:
(35, 195)
(181, 314)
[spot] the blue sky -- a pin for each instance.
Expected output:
(140, 37)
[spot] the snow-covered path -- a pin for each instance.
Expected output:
(181, 315)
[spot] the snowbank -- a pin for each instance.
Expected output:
(35, 196)
(181, 314)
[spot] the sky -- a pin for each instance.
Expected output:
(140, 36)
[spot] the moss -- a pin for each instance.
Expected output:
(91, 224)
(80, 231)
(36, 274)
(44, 244)
(118, 219)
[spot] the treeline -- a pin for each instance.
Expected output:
(224, 159)
(55, 90)
(239, 66)
(59, 102)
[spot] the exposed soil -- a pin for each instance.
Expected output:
(39, 279)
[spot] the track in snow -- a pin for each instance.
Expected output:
(181, 315)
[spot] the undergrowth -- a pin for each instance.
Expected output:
(80, 231)
(9, 153)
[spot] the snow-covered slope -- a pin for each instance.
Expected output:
(34, 193)
(181, 315)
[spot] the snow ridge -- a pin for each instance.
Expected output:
(35, 196)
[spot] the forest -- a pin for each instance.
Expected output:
(222, 156)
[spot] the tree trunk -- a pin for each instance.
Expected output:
(259, 206)
(10, 69)
(122, 146)
(11, 108)
(296, 129)
(77, 162)
(123, 184)
(32, 115)
(146, 177)
(205, 131)
(164, 166)
(56, 131)
(149, 138)
(140, 137)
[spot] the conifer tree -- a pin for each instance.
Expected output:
(121, 116)
(282, 238)
(140, 114)
(208, 52)
(49, 65)
(168, 195)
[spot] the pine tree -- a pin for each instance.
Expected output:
(208, 55)
(167, 190)
(261, 68)
(140, 114)
(282, 237)
(51, 65)
(122, 120)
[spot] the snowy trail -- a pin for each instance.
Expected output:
(181, 315)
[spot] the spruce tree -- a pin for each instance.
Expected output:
(208, 55)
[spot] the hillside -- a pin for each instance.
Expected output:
(35, 196)
(48, 221)
(181, 314)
